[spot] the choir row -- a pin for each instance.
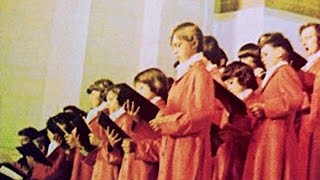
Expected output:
(197, 133)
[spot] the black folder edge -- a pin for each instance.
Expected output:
(105, 121)
(230, 101)
(232, 104)
(83, 131)
(32, 150)
(14, 169)
(55, 129)
(148, 110)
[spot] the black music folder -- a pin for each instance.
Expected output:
(215, 140)
(61, 118)
(230, 101)
(55, 129)
(83, 131)
(32, 150)
(297, 61)
(8, 172)
(105, 122)
(148, 110)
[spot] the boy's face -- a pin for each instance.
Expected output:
(144, 90)
(24, 140)
(112, 102)
(309, 40)
(182, 49)
(270, 56)
(233, 85)
(94, 98)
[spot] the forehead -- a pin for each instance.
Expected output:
(266, 48)
(177, 39)
(309, 31)
(95, 92)
(111, 94)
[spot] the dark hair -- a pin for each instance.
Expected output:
(189, 32)
(278, 41)
(101, 85)
(75, 110)
(311, 24)
(156, 80)
(251, 50)
(243, 72)
(65, 118)
(210, 45)
(30, 132)
(217, 57)
(267, 36)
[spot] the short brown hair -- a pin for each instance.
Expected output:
(252, 50)
(189, 32)
(156, 80)
(243, 72)
(267, 36)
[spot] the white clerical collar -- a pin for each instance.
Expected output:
(270, 72)
(93, 112)
(311, 61)
(52, 147)
(115, 115)
(183, 67)
(155, 99)
(245, 94)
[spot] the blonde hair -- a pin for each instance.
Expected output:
(190, 32)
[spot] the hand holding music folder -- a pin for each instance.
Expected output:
(8, 172)
(83, 131)
(53, 127)
(105, 122)
(230, 101)
(32, 150)
(148, 110)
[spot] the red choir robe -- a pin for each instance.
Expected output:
(142, 167)
(82, 166)
(303, 125)
(272, 149)
(309, 144)
(185, 151)
(231, 155)
(106, 160)
(59, 169)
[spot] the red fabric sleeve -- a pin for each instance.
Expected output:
(198, 112)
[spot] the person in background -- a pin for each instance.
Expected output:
(83, 165)
(310, 131)
(272, 151)
(152, 84)
(250, 55)
(60, 157)
(26, 135)
(213, 62)
(75, 110)
(235, 128)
